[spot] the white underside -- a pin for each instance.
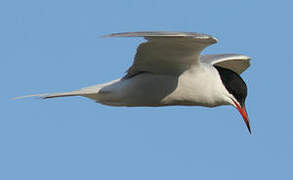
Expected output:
(197, 86)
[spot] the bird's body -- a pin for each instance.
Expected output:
(168, 70)
(147, 89)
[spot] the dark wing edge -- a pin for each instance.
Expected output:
(161, 34)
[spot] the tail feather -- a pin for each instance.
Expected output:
(53, 95)
(92, 92)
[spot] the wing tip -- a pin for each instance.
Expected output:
(241, 57)
(213, 39)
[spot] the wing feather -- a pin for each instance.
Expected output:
(235, 62)
(166, 52)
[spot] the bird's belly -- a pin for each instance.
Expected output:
(160, 90)
(142, 90)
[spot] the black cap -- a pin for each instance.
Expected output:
(234, 84)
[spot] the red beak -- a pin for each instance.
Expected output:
(243, 112)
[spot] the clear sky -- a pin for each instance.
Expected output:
(52, 46)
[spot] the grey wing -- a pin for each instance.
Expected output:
(166, 52)
(235, 62)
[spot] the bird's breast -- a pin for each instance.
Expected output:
(201, 86)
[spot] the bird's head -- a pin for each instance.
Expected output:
(237, 91)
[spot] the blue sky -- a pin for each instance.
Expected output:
(52, 46)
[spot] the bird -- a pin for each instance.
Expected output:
(168, 70)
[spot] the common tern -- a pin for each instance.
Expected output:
(169, 70)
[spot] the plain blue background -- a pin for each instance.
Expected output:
(52, 46)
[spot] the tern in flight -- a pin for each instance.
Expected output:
(169, 70)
